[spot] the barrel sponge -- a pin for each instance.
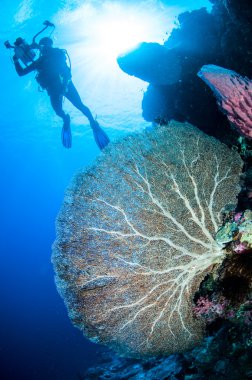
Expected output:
(135, 238)
(234, 96)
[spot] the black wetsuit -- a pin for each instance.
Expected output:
(55, 76)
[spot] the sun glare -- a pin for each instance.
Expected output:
(114, 28)
(115, 36)
(94, 36)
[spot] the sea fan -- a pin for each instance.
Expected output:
(135, 238)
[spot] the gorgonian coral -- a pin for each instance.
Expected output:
(135, 238)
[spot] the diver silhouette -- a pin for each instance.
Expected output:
(54, 75)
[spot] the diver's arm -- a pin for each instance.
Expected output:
(23, 71)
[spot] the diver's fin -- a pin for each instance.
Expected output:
(100, 136)
(66, 135)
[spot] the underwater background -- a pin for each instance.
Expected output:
(37, 339)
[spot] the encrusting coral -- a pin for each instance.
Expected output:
(135, 238)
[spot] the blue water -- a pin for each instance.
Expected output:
(38, 341)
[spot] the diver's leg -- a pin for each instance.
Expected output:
(66, 135)
(100, 136)
(56, 102)
(73, 96)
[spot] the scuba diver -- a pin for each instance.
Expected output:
(54, 75)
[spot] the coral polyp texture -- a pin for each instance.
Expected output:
(234, 95)
(135, 238)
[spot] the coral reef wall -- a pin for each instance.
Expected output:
(223, 38)
(135, 238)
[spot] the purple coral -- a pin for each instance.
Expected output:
(234, 95)
(240, 247)
(219, 306)
(211, 309)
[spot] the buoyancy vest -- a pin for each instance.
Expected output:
(53, 71)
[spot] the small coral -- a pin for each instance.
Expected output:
(218, 306)
(245, 313)
(211, 309)
(237, 229)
